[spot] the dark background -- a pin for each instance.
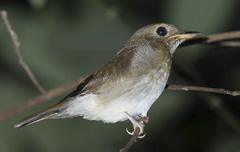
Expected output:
(63, 40)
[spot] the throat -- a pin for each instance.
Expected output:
(175, 45)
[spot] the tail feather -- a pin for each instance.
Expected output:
(49, 113)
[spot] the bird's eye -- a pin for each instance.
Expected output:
(162, 31)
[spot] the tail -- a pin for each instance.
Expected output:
(49, 113)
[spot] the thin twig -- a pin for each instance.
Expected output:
(222, 36)
(39, 99)
(19, 56)
(131, 141)
(203, 89)
(135, 135)
(228, 39)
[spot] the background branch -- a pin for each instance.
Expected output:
(229, 39)
(135, 135)
(222, 37)
(131, 141)
(39, 99)
(19, 56)
(203, 89)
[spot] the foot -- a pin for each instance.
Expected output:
(137, 123)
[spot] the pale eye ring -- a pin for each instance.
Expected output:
(161, 31)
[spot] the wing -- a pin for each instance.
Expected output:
(107, 75)
(113, 73)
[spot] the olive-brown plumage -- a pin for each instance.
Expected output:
(127, 85)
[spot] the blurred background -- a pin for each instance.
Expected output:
(63, 40)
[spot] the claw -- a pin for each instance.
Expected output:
(137, 124)
(142, 136)
(130, 133)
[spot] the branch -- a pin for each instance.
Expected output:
(19, 56)
(203, 89)
(131, 141)
(222, 36)
(230, 39)
(39, 99)
(135, 135)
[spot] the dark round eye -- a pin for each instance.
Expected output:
(162, 31)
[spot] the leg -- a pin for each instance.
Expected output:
(137, 123)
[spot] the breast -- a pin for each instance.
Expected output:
(151, 87)
(132, 96)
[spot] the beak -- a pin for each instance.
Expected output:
(186, 35)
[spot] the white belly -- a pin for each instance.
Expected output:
(135, 101)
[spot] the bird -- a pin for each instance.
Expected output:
(126, 87)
